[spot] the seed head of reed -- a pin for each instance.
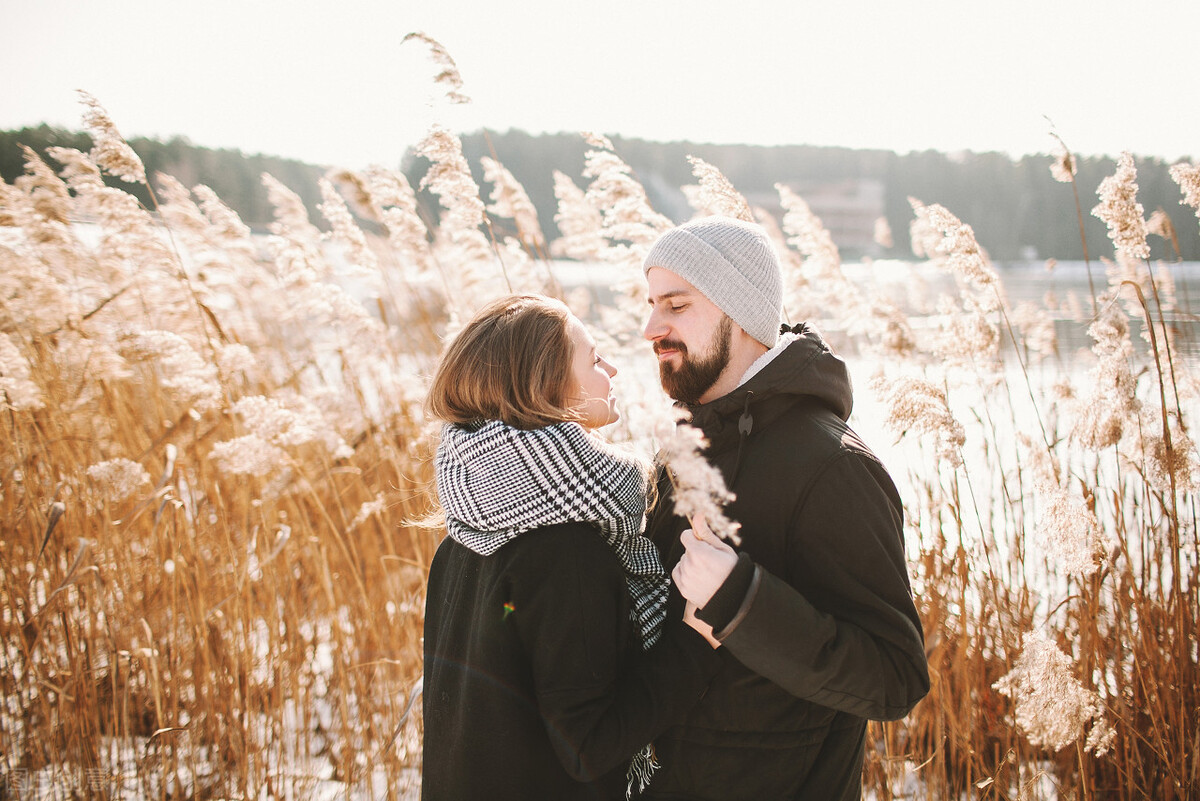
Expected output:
(717, 195)
(449, 76)
(291, 215)
(233, 359)
(1166, 469)
(1069, 532)
(1121, 211)
(1112, 401)
(188, 379)
(918, 407)
(14, 206)
(625, 210)
(948, 240)
(511, 202)
(396, 202)
(1062, 165)
(579, 222)
(109, 148)
(520, 269)
(808, 235)
(117, 479)
(289, 421)
(1036, 327)
(1052, 706)
(965, 334)
(1187, 176)
(78, 169)
(1037, 460)
(180, 212)
(18, 392)
(366, 510)
(49, 194)
(352, 187)
(888, 329)
(345, 231)
(1159, 224)
(699, 488)
(449, 177)
(248, 455)
(225, 226)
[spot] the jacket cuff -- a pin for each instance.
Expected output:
(728, 601)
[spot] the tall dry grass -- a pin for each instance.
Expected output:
(213, 453)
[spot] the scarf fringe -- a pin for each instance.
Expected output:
(641, 770)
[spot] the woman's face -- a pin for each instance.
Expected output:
(589, 392)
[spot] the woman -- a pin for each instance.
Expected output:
(550, 661)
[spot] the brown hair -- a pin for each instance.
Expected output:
(511, 363)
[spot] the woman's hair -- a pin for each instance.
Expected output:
(511, 363)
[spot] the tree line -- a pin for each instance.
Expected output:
(1014, 205)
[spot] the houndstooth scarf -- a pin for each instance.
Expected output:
(496, 482)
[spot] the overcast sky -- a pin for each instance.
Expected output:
(328, 82)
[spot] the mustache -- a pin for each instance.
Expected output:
(670, 344)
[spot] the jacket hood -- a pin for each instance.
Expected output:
(805, 369)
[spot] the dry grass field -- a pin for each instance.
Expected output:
(214, 468)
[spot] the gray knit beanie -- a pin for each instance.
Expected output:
(733, 264)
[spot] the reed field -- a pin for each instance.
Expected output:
(215, 471)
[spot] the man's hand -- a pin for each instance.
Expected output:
(707, 561)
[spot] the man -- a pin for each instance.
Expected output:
(814, 611)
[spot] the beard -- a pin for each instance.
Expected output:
(693, 377)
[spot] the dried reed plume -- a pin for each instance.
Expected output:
(395, 206)
(580, 224)
(716, 195)
(629, 222)
(109, 148)
(1052, 706)
(699, 488)
(1070, 533)
(345, 230)
(510, 201)
(449, 77)
(1188, 178)
(943, 237)
(1121, 211)
(1062, 165)
(1112, 401)
(915, 406)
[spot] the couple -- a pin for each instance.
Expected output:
(561, 661)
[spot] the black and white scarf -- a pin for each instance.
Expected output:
(496, 482)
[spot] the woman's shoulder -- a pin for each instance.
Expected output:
(559, 539)
(567, 549)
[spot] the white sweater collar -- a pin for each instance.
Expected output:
(765, 359)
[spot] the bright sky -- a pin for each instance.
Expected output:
(328, 82)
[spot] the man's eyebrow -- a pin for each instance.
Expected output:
(671, 293)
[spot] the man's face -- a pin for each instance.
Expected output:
(691, 336)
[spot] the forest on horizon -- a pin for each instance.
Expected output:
(1016, 208)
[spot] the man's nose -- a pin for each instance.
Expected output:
(654, 327)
